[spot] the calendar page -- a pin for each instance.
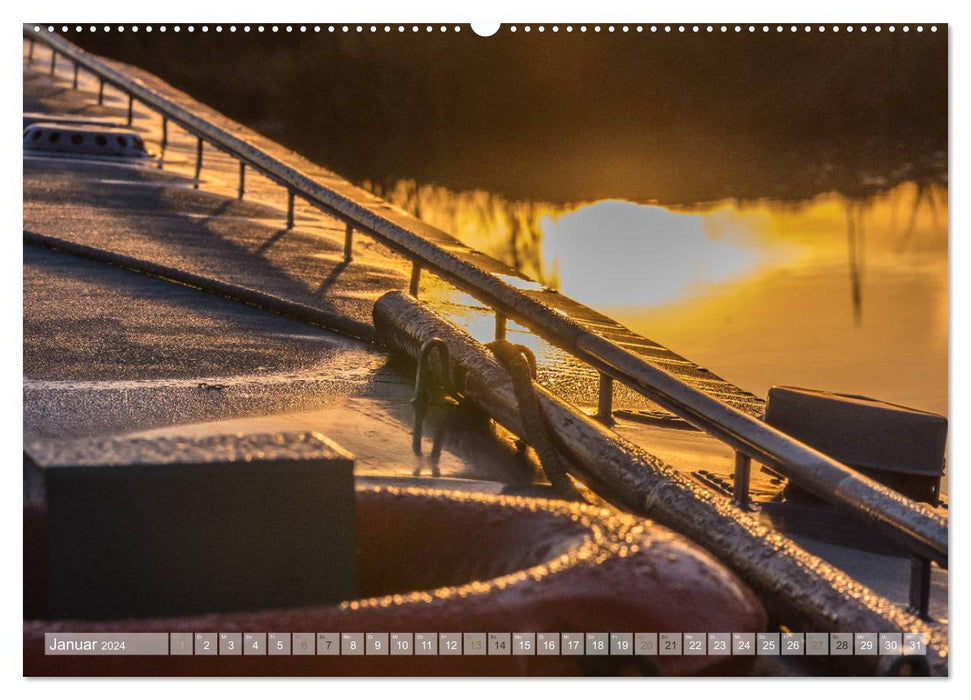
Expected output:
(524, 349)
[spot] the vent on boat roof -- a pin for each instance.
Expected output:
(80, 139)
(67, 119)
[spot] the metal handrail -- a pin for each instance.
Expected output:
(919, 528)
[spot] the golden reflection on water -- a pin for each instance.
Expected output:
(838, 294)
(848, 295)
(623, 254)
(507, 230)
(615, 252)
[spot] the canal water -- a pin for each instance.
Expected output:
(846, 295)
(830, 294)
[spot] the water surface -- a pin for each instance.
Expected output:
(848, 296)
(833, 292)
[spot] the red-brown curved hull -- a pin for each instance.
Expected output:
(482, 564)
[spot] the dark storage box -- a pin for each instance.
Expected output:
(901, 447)
(150, 527)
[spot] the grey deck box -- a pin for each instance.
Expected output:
(152, 527)
(901, 447)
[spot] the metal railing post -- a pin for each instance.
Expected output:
(198, 162)
(605, 399)
(165, 141)
(500, 326)
(74, 82)
(920, 585)
(289, 210)
(743, 473)
(241, 189)
(101, 91)
(415, 278)
(53, 60)
(30, 49)
(131, 105)
(348, 243)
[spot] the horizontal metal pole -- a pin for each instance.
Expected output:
(919, 528)
(805, 592)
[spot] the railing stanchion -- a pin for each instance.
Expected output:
(920, 585)
(101, 91)
(605, 399)
(74, 82)
(415, 278)
(743, 473)
(500, 326)
(30, 49)
(289, 210)
(198, 162)
(241, 189)
(348, 243)
(53, 60)
(165, 141)
(131, 106)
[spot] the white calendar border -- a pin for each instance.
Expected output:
(509, 11)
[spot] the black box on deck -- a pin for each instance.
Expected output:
(150, 527)
(901, 447)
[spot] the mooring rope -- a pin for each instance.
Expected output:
(520, 362)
